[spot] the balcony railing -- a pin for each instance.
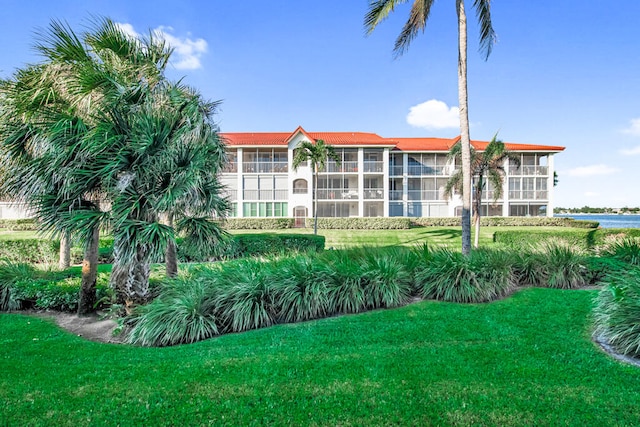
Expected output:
(343, 167)
(395, 171)
(375, 167)
(230, 194)
(337, 193)
(528, 194)
(395, 195)
(266, 194)
(529, 170)
(421, 170)
(424, 195)
(265, 167)
(373, 193)
(230, 168)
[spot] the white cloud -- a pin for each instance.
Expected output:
(186, 52)
(631, 151)
(634, 127)
(593, 170)
(591, 194)
(434, 114)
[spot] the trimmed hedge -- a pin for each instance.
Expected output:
(257, 223)
(269, 244)
(583, 238)
(500, 221)
(27, 224)
(369, 223)
(33, 251)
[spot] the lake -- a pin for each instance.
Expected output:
(608, 221)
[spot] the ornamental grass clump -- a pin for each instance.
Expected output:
(617, 312)
(244, 294)
(446, 275)
(185, 312)
(344, 272)
(553, 264)
(387, 277)
(300, 289)
(626, 249)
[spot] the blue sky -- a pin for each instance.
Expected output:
(562, 73)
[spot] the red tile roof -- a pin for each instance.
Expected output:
(235, 139)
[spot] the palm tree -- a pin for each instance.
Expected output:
(98, 121)
(485, 165)
(420, 10)
(318, 154)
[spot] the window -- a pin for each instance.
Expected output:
(300, 186)
(265, 209)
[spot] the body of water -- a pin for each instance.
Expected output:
(608, 221)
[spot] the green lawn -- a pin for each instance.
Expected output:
(525, 360)
(449, 236)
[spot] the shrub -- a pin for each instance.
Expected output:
(257, 223)
(516, 221)
(617, 312)
(10, 273)
(446, 275)
(273, 244)
(30, 251)
(26, 224)
(369, 223)
(524, 239)
(184, 313)
(344, 272)
(48, 292)
(625, 249)
(553, 264)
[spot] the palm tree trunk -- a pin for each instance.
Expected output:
(131, 280)
(315, 200)
(65, 251)
(171, 252)
(477, 204)
(87, 300)
(465, 139)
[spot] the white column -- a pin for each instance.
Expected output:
(550, 170)
(385, 182)
(505, 189)
(240, 186)
(405, 183)
(360, 182)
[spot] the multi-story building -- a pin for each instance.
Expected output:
(376, 177)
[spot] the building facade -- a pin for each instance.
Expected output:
(376, 177)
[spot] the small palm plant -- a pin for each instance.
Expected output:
(318, 154)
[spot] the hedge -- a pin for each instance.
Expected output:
(357, 223)
(267, 244)
(583, 238)
(500, 221)
(18, 224)
(32, 251)
(257, 223)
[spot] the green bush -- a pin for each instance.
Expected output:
(10, 273)
(27, 224)
(272, 244)
(524, 239)
(484, 275)
(617, 312)
(48, 292)
(31, 251)
(554, 264)
(257, 223)
(369, 223)
(499, 221)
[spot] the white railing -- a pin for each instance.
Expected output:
(230, 167)
(396, 171)
(424, 195)
(376, 167)
(230, 194)
(332, 167)
(265, 167)
(266, 194)
(422, 170)
(528, 194)
(337, 193)
(529, 170)
(373, 193)
(395, 195)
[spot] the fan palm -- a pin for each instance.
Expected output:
(418, 16)
(489, 165)
(318, 154)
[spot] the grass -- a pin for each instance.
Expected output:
(445, 236)
(524, 360)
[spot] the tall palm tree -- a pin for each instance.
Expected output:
(487, 165)
(420, 10)
(318, 154)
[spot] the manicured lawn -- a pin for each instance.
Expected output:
(525, 360)
(447, 236)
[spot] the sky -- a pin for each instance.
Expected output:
(562, 73)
